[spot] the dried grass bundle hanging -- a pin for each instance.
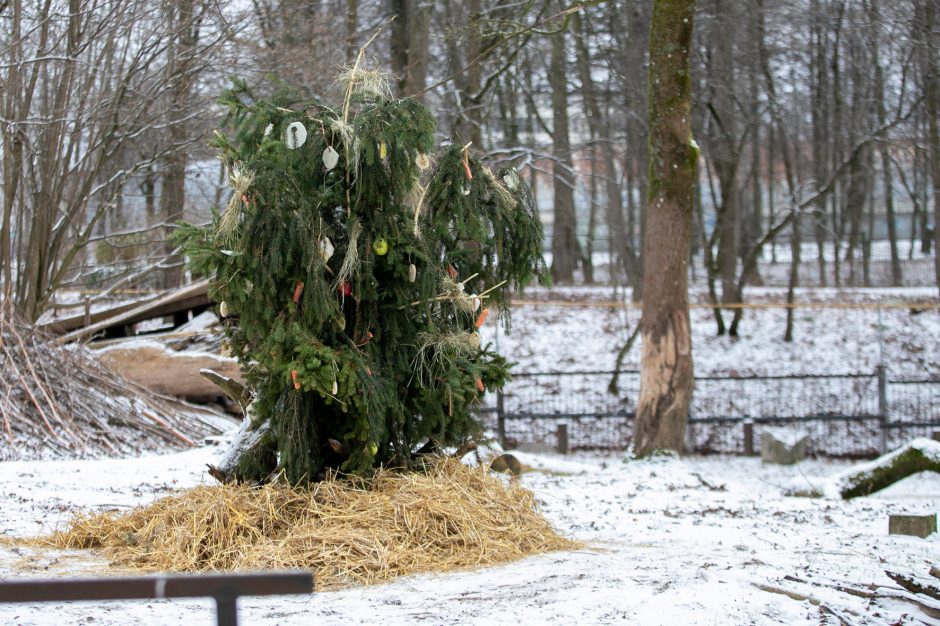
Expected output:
(437, 350)
(504, 196)
(351, 259)
(364, 81)
(241, 181)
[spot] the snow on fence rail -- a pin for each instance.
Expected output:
(850, 415)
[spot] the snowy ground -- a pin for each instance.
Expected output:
(692, 541)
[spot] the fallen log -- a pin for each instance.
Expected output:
(913, 586)
(160, 369)
(920, 455)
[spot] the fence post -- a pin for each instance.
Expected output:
(562, 433)
(500, 419)
(748, 438)
(882, 408)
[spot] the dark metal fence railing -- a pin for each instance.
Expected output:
(846, 415)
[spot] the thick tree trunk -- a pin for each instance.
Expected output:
(666, 361)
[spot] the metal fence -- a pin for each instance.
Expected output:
(853, 415)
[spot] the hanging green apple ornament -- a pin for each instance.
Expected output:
(380, 246)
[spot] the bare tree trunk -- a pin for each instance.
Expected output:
(565, 250)
(470, 82)
(794, 280)
(587, 258)
(409, 45)
(173, 181)
(820, 114)
(352, 24)
(619, 236)
(887, 182)
(666, 363)
(637, 160)
(932, 93)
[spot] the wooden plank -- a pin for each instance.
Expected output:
(153, 587)
(62, 325)
(183, 299)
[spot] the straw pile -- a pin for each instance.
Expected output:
(349, 531)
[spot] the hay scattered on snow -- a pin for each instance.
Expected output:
(350, 532)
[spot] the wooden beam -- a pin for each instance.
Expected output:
(190, 297)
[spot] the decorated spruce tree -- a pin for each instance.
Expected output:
(353, 268)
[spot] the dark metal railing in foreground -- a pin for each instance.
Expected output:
(847, 415)
(225, 589)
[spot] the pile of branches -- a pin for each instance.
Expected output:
(60, 402)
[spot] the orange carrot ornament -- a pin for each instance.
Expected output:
(298, 289)
(480, 386)
(295, 377)
(482, 318)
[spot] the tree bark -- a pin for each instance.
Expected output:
(173, 181)
(618, 234)
(637, 162)
(565, 251)
(875, 23)
(932, 93)
(666, 362)
(352, 24)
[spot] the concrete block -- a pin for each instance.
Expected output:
(916, 525)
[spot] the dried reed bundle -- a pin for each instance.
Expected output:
(240, 180)
(350, 532)
(59, 402)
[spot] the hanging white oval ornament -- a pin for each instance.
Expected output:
(412, 273)
(330, 158)
(335, 388)
(422, 161)
(223, 308)
(326, 249)
(268, 129)
(295, 135)
(465, 190)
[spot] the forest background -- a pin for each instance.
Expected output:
(817, 122)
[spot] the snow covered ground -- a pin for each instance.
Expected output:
(709, 540)
(701, 540)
